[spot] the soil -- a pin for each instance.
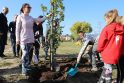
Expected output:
(42, 74)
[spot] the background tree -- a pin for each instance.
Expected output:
(80, 26)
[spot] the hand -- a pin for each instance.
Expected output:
(17, 42)
(1, 33)
(49, 15)
(37, 33)
(41, 45)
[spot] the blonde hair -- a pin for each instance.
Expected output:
(120, 19)
(111, 15)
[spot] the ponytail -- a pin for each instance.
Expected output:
(112, 15)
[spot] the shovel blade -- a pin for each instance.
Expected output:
(72, 72)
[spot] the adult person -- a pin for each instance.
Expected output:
(12, 28)
(38, 32)
(3, 30)
(25, 34)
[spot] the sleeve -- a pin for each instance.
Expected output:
(102, 40)
(39, 20)
(9, 28)
(1, 23)
(18, 28)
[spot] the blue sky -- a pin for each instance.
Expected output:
(91, 11)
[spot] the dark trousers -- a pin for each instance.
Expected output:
(120, 70)
(15, 48)
(13, 44)
(2, 44)
(36, 49)
(18, 50)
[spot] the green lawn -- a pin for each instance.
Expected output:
(65, 48)
(68, 48)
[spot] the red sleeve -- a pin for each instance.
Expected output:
(102, 40)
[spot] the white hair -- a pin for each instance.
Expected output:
(5, 8)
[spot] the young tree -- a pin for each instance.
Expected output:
(54, 27)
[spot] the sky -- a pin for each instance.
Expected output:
(91, 11)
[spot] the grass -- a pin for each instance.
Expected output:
(68, 48)
(5, 63)
(65, 48)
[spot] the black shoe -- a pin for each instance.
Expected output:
(20, 65)
(17, 54)
(3, 55)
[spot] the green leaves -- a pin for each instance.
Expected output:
(55, 29)
(80, 26)
(43, 8)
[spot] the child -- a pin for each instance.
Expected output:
(90, 49)
(120, 64)
(110, 44)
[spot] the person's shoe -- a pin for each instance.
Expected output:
(94, 69)
(108, 81)
(3, 55)
(24, 76)
(20, 64)
(17, 54)
(114, 81)
(1, 58)
(101, 80)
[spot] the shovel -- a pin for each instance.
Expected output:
(74, 70)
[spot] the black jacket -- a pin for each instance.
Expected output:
(12, 27)
(3, 24)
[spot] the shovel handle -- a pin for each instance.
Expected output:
(76, 65)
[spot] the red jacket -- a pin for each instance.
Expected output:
(110, 43)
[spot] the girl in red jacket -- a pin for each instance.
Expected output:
(110, 44)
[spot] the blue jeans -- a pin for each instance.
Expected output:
(26, 49)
